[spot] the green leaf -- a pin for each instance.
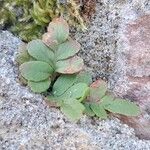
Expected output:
(72, 108)
(123, 107)
(54, 101)
(23, 55)
(40, 51)
(63, 83)
(99, 110)
(69, 66)
(59, 29)
(88, 110)
(50, 41)
(67, 49)
(97, 90)
(78, 91)
(84, 77)
(35, 70)
(39, 87)
(106, 100)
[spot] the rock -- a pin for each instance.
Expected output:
(112, 48)
(132, 76)
(26, 121)
(99, 42)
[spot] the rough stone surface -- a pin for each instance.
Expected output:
(131, 78)
(133, 61)
(99, 42)
(27, 123)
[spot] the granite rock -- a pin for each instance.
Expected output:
(131, 78)
(26, 121)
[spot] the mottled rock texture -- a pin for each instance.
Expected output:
(133, 61)
(131, 77)
(116, 47)
(99, 42)
(26, 121)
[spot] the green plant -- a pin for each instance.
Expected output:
(100, 102)
(45, 62)
(50, 65)
(29, 18)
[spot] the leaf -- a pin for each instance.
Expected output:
(107, 100)
(72, 108)
(50, 41)
(54, 101)
(59, 29)
(69, 66)
(88, 110)
(84, 77)
(78, 91)
(22, 80)
(38, 50)
(99, 110)
(63, 83)
(123, 107)
(23, 55)
(35, 70)
(97, 90)
(67, 49)
(39, 87)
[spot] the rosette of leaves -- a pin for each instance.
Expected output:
(100, 103)
(50, 65)
(40, 63)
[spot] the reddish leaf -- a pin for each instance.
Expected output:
(70, 66)
(58, 32)
(97, 90)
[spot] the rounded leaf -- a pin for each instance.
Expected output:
(39, 87)
(72, 108)
(63, 83)
(23, 55)
(99, 110)
(107, 100)
(84, 77)
(123, 107)
(70, 66)
(59, 29)
(78, 91)
(88, 110)
(36, 70)
(50, 41)
(67, 49)
(97, 90)
(40, 51)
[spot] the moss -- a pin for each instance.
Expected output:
(29, 18)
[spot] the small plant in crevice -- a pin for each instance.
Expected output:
(100, 102)
(40, 64)
(51, 66)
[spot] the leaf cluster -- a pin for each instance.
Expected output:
(101, 103)
(50, 65)
(40, 63)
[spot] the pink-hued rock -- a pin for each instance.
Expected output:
(138, 60)
(133, 69)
